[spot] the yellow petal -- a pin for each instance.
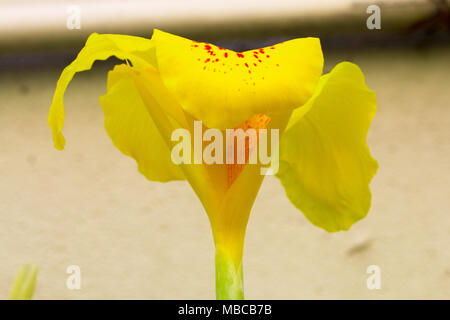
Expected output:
(132, 130)
(325, 163)
(139, 51)
(158, 101)
(224, 88)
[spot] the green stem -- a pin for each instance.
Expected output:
(229, 277)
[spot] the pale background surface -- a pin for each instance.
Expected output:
(132, 238)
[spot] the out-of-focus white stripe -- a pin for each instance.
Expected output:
(26, 19)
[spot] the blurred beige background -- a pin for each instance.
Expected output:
(89, 206)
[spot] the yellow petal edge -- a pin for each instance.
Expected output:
(139, 51)
(325, 163)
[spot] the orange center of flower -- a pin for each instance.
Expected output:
(257, 122)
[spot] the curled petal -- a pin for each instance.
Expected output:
(325, 163)
(224, 88)
(139, 51)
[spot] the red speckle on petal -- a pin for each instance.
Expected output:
(207, 60)
(261, 50)
(246, 64)
(255, 64)
(259, 61)
(217, 60)
(255, 56)
(272, 47)
(268, 56)
(278, 65)
(207, 47)
(226, 54)
(240, 55)
(249, 71)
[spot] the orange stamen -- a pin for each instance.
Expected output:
(257, 122)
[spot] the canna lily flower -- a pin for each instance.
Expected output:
(169, 82)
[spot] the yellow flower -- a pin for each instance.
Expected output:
(169, 82)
